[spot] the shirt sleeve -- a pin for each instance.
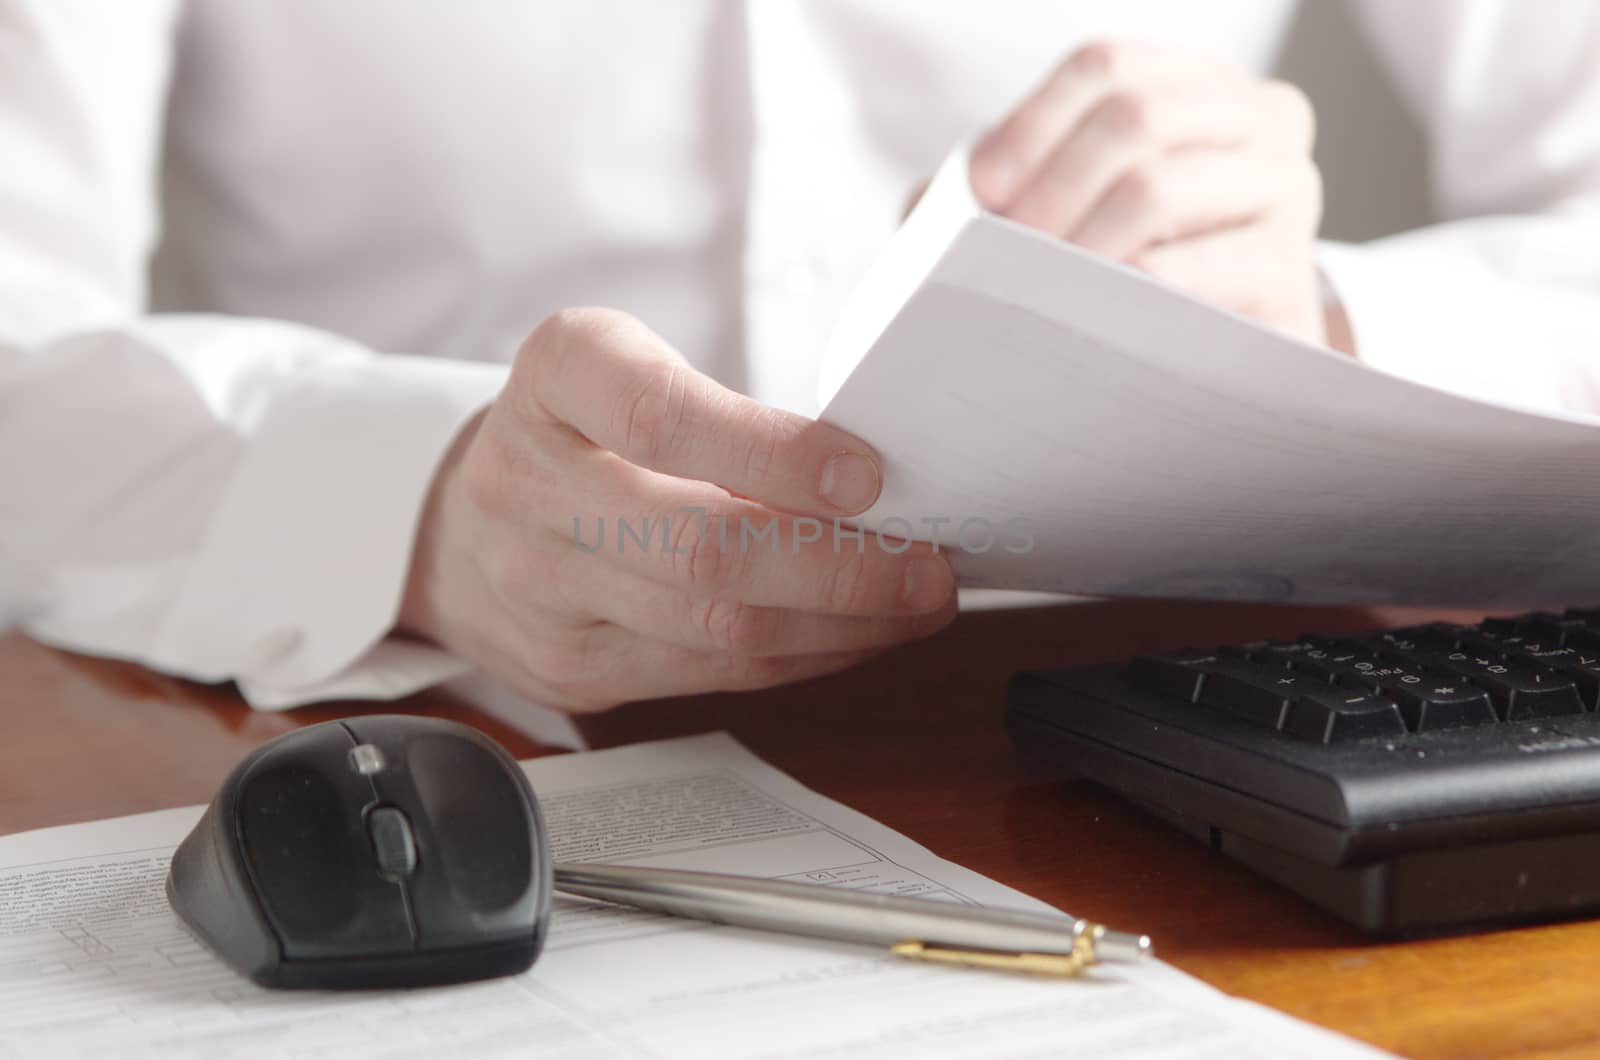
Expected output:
(215, 497)
(1501, 298)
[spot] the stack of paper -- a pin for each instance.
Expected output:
(94, 963)
(1067, 424)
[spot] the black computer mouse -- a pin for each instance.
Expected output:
(369, 852)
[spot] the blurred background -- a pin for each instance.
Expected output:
(1369, 150)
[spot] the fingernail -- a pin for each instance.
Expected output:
(928, 583)
(850, 482)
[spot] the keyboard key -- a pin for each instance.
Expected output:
(1430, 700)
(1554, 627)
(1518, 690)
(1586, 640)
(1331, 716)
(1257, 693)
(1509, 643)
(1509, 626)
(1349, 669)
(1434, 636)
(1578, 660)
(1533, 633)
(1582, 668)
(1338, 644)
(1268, 652)
(1337, 688)
(1180, 676)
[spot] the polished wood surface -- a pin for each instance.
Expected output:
(913, 739)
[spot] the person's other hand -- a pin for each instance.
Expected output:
(1180, 164)
(602, 421)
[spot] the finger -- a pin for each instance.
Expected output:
(1122, 133)
(596, 667)
(1254, 270)
(676, 671)
(704, 543)
(664, 613)
(1180, 195)
(622, 387)
(1007, 157)
(1287, 116)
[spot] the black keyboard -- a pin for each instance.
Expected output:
(1424, 780)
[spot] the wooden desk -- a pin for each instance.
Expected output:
(913, 739)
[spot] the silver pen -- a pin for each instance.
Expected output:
(915, 928)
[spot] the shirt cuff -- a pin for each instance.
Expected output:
(1446, 318)
(311, 547)
(393, 668)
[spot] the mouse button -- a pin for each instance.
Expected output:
(481, 856)
(392, 840)
(208, 887)
(308, 855)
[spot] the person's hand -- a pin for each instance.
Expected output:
(1179, 164)
(600, 424)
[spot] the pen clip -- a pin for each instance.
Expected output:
(1054, 965)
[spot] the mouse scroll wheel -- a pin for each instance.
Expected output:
(392, 841)
(366, 759)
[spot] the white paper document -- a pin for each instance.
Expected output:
(94, 963)
(1063, 423)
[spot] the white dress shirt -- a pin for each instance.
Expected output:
(260, 259)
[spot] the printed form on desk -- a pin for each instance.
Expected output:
(93, 962)
(1062, 423)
